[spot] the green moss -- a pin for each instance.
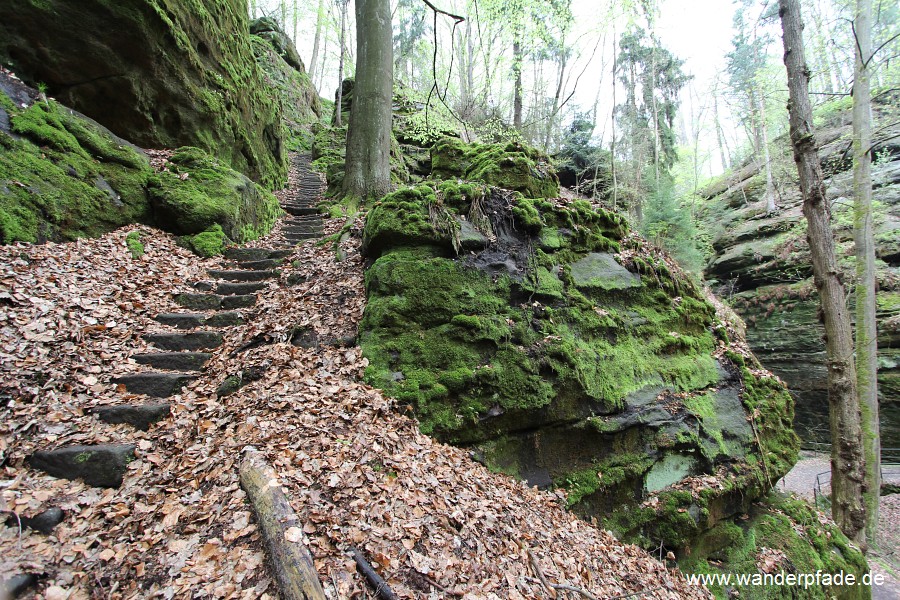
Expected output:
(133, 242)
(209, 243)
(199, 191)
(66, 178)
(513, 166)
(810, 543)
(403, 218)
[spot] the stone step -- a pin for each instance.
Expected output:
(250, 254)
(300, 210)
(139, 416)
(243, 276)
(157, 385)
(257, 265)
(240, 289)
(215, 301)
(192, 320)
(100, 465)
(193, 341)
(44, 522)
(305, 227)
(174, 361)
(300, 237)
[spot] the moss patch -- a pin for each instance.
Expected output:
(199, 191)
(209, 243)
(513, 166)
(133, 242)
(63, 177)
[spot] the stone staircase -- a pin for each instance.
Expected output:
(189, 338)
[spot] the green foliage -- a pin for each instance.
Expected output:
(133, 242)
(670, 226)
(419, 123)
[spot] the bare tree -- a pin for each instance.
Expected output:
(847, 460)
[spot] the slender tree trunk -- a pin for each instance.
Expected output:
(612, 143)
(719, 136)
(284, 24)
(338, 117)
(517, 83)
(866, 332)
(368, 166)
(320, 17)
(847, 460)
(770, 186)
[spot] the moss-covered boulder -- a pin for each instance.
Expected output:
(513, 166)
(761, 264)
(161, 73)
(283, 71)
(566, 352)
(198, 192)
(63, 176)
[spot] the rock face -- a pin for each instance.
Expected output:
(284, 72)
(762, 266)
(161, 73)
(566, 352)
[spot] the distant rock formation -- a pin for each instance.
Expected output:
(762, 267)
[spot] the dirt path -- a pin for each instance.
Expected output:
(883, 560)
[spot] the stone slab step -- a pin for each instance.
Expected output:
(215, 301)
(250, 254)
(193, 341)
(44, 522)
(139, 416)
(300, 210)
(192, 320)
(157, 385)
(101, 465)
(300, 237)
(239, 275)
(257, 265)
(240, 289)
(302, 228)
(174, 361)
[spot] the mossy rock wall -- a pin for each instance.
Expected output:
(284, 72)
(618, 388)
(761, 265)
(63, 176)
(161, 73)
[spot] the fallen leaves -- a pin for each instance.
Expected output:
(357, 472)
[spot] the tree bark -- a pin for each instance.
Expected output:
(338, 116)
(281, 529)
(770, 185)
(847, 460)
(863, 235)
(368, 167)
(517, 83)
(320, 16)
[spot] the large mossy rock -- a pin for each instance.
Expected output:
(161, 73)
(568, 353)
(762, 266)
(198, 192)
(284, 72)
(63, 176)
(511, 166)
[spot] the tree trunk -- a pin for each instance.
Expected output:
(847, 460)
(281, 530)
(338, 117)
(368, 169)
(719, 135)
(866, 332)
(517, 83)
(770, 186)
(320, 16)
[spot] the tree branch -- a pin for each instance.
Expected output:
(456, 18)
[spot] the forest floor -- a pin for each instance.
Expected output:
(885, 558)
(357, 471)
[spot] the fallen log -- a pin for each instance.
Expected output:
(378, 584)
(281, 529)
